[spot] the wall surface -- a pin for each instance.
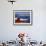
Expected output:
(37, 31)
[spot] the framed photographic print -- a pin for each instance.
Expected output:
(22, 17)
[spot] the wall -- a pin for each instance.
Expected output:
(37, 31)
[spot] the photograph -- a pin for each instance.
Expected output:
(22, 16)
